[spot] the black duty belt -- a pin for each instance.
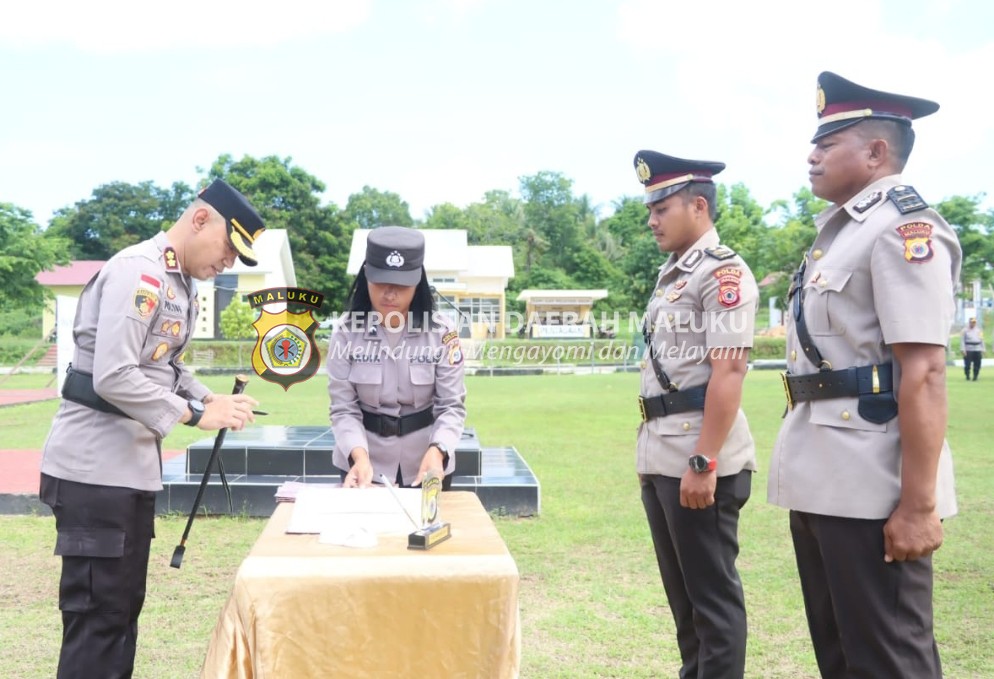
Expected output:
(867, 379)
(78, 388)
(670, 403)
(390, 425)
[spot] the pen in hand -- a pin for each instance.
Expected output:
(259, 412)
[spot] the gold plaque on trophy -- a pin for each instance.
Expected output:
(433, 530)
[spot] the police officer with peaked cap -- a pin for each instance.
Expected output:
(395, 370)
(861, 460)
(127, 388)
(695, 455)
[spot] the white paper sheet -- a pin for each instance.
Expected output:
(334, 510)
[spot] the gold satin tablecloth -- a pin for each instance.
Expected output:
(301, 609)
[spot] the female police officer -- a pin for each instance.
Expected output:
(395, 370)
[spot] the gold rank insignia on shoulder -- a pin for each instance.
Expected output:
(720, 252)
(169, 255)
(906, 199)
(867, 202)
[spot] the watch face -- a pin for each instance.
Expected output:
(196, 406)
(699, 463)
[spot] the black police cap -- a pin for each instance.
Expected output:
(842, 103)
(244, 223)
(664, 175)
(395, 255)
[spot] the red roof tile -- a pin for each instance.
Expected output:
(76, 273)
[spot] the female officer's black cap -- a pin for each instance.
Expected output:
(395, 255)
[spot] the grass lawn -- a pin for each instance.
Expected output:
(592, 604)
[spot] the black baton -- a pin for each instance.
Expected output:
(240, 383)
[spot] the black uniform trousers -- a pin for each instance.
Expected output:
(972, 359)
(696, 551)
(104, 535)
(868, 619)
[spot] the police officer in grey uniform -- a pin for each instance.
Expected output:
(695, 455)
(861, 459)
(395, 370)
(971, 345)
(126, 389)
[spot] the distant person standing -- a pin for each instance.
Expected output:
(695, 456)
(861, 459)
(971, 345)
(126, 389)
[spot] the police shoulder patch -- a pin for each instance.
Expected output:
(906, 199)
(720, 252)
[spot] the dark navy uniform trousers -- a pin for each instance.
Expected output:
(868, 619)
(104, 537)
(696, 550)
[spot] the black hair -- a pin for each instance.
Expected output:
(422, 305)
(900, 137)
(706, 190)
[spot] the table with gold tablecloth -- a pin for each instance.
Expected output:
(300, 608)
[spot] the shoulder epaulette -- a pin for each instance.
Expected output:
(906, 199)
(720, 252)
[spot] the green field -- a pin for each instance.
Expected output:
(591, 601)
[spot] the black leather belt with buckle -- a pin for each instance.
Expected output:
(672, 402)
(866, 379)
(391, 425)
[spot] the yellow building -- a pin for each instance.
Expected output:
(67, 281)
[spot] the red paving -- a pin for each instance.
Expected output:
(9, 397)
(19, 470)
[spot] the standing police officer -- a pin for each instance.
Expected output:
(861, 459)
(395, 370)
(695, 455)
(971, 345)
(126, 389)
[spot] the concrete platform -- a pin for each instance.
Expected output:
(259, 459)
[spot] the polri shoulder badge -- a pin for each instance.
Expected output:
(728, 285)
(917, 241)
(906, 199)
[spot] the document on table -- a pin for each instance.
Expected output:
(344, 510)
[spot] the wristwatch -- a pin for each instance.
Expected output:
(702, 464)
(442, 449)
(197, 408)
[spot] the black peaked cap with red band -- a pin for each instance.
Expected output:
(842, 103)
(664, 175)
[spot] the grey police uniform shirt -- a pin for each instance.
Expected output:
(424, 370)
(972, 339)
(133, 322)
(701, 302)
(874, 277)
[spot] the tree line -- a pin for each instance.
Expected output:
(557, 238)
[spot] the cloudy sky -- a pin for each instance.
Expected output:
(442, 100)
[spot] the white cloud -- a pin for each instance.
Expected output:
(114, 26)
